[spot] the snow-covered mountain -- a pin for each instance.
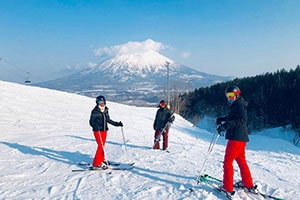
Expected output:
(45, 133)
(135, 78)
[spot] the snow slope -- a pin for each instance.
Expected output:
(44, 133)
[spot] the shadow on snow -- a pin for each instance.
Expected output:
(66, 157)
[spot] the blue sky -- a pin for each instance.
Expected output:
(225, 37)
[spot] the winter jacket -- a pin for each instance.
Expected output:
(236, 121)
(163, 115)
(98, 120)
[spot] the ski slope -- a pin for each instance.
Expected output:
(45, 133)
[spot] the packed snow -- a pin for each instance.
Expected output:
(45, 133)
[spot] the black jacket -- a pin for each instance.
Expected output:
(162, 117)
(236, 121)
(98, 120)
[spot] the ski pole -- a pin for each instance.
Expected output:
(212, 142)
(102, 145)
(210, 148)
(124, 141)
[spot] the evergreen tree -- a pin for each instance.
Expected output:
(274, 100)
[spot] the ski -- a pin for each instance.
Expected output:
(112, 163)
(111, 166)
(88, 169)
(119, 167)
(266, 196)
(208, 180)
(122, 166)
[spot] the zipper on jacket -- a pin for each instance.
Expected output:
(104, 121)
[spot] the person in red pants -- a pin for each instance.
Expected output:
(98, 121)
(162, 117)
(235, 125)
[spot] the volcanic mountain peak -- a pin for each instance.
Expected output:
(140, 63)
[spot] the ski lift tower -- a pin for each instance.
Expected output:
(168, 83)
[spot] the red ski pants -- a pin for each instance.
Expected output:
(165, 139)
(235, 150)
(100, 137)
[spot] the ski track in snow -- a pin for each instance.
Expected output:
(45, 133)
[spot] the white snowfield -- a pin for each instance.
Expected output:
(45, 133)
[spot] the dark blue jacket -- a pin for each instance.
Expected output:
(236, 121)
(98, 120)
(161, 118)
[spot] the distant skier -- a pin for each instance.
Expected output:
(236, 132)
(163, 116)
(98, 121)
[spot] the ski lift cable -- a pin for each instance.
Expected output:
(21, 69)
(9, 71)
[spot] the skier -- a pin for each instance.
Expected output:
(163, 116)
(236, 132)
(98, 121)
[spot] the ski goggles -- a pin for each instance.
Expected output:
(230, 95)
(100, 102)
(162, 104)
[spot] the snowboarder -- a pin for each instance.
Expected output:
(235, 125)
(98, 121)
(163, 116)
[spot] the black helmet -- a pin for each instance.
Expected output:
(233, 89)
(100, 99)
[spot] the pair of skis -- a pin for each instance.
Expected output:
(211, 181)
(111, 166)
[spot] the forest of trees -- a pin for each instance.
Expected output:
(274, 100)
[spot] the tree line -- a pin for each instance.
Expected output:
(273, 100)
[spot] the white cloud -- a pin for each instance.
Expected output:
(185, 55)
(91, 64)
(130, 48)
(73, 67)
(77, 66)
(69, 67)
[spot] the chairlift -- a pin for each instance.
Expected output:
(27, 81)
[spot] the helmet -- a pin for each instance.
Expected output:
(233, 89)
(100, 100)
(232, 93)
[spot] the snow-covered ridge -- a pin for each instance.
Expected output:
(139, 63)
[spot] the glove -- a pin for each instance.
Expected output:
(220, 129)
(171, 119)
(219, 120)
(120, 124)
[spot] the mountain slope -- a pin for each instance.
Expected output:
(44, 133)
(136, 78)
